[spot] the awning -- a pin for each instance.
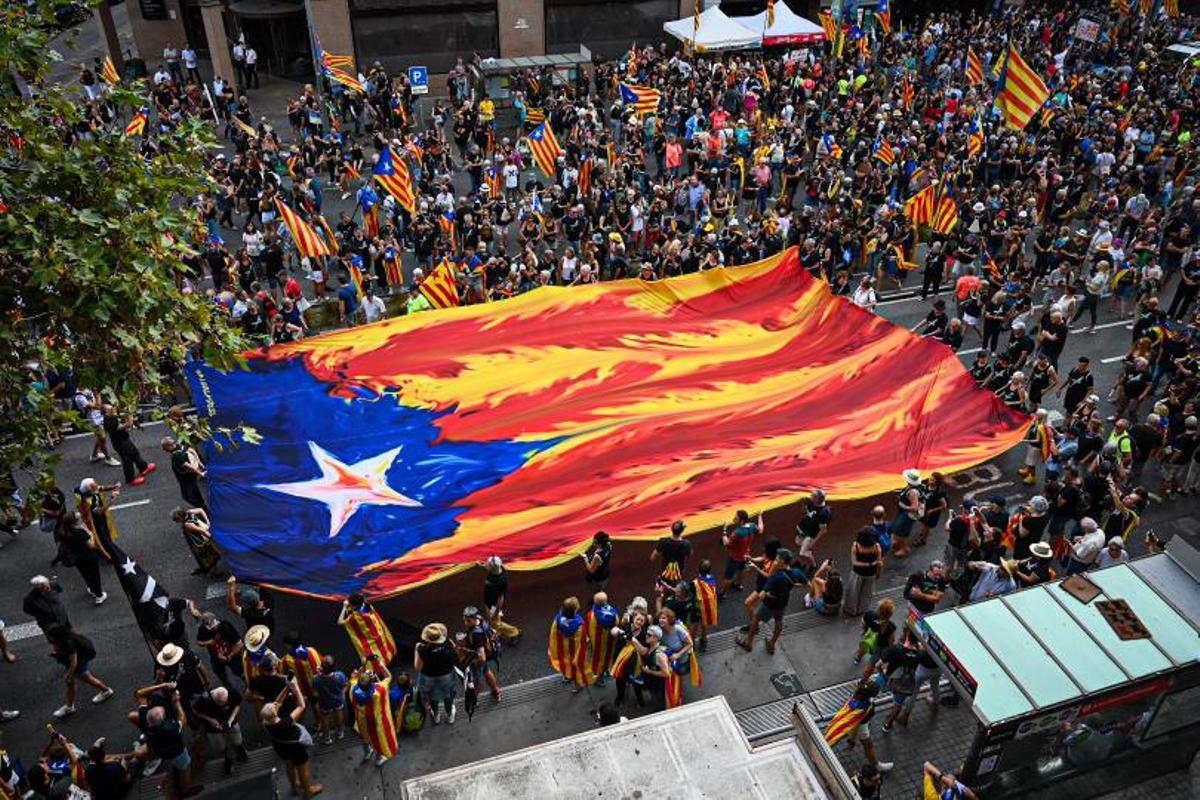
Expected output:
(789, 28)
(717, 32)
(265, 9)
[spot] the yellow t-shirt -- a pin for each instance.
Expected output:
(487, 109)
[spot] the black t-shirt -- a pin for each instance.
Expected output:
(814, 517)
(224, 637)
(674, 551)
(166, 740)
(777, 590)
(1068, 497)
(204, 704)
(108, 780)
(438, 659)
(116, 434)
(76, 539)
(897, 656)
(959, 530)
(1059, 330)
(494, 587)
(601, 573)
(252, 616)
(927, 584)
(179, 460)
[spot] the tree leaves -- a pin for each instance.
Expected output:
(91, 248)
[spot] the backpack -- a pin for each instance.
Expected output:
(904, 680)
(492, 643)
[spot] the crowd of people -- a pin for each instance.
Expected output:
(1089, 210)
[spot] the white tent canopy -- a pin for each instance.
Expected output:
(789, 28)
(717, 32)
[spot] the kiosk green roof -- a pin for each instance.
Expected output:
(1042, 647)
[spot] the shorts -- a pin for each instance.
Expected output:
(733, 567)
(477, 670)
(82, 667)
(806, 546)
(900, 698)
(864, 732)
(765, 612)
(182, 761)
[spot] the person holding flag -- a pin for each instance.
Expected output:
(303, 662)
(852, 723)
(368, 631)
(704, 586)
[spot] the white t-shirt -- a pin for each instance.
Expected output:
(251, 55)
(374, 308)
(189, 58)
(253, 242)
(511, 176)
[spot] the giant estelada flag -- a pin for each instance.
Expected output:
(389, 455)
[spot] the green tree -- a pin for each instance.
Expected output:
(93, 237)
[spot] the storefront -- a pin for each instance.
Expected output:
(432, 33)
(1065, 704)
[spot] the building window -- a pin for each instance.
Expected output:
(607, 27)
(430, 33)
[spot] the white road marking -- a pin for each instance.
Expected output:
(988, 488)
(89, 434)
(131, 504)
(1111, 360)
(27, 630)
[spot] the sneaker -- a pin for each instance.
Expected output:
(341, 734)
(366, 756)
(437, 717)
(149, 468)
(63, 711)
(808, 601)
(94, 458)
(112, 462)
(138, 481)
(102, 696)
(886, 728)
(453, 714)
(8, 716)
(101, 598)
(379, 762)
(884, 766)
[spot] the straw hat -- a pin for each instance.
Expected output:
(169, 656)
(433, 633)
(912, 477)
(1041, 550)
(256, 637)
(1008, 565)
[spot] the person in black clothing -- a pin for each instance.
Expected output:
(44, 604)
(164, 735)
(1185, 293)
(935, 321)
(110, 776)
(673, 552)
(256, 606)
(899, 663)
(216, 713)
(924, 590)
(774, 599)
(495, 587)
(188, 471)
(78, 547)
(935, 268)
(75, 652)
(223, 643)
(981, 370)
(1052, 337)
(632, 625)
(596, 561)
(291, 739)
(135, 467)
(1077, 385)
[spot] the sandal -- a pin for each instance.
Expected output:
(742, 643)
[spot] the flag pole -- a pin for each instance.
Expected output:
(318, 67)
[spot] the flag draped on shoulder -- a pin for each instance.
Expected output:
(566, 648)
(308, 243)
(1021, 92)
(846, 721)
(440, 287)
(883, 152)
(392, 174)
(545, 149)
(643, 99)
(243, 126)
(601, 645)
(706, 601)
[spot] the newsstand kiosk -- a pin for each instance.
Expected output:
(1076, 693)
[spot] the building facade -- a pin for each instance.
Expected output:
(403, 33)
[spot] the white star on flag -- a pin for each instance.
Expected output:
(344, 488)
(129, 567)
